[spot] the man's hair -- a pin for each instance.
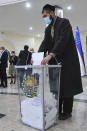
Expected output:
(49, 8)
(3, 48)
(26, 47)
(12, 51)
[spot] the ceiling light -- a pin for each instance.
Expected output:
(30, 28)
(28, 5)
(69, 8)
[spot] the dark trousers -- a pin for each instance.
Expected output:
(66, 105)
(3, 77)
(54, 80)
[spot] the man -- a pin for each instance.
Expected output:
(24, 59)
(3, 66)
(25, 56)
(60, 44)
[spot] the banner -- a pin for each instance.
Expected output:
(80, 52)
(6, 2)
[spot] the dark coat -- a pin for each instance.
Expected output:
(4, 60)
(25, 57)
(13, 60)
(63, 46)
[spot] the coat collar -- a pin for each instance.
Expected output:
(57, 20)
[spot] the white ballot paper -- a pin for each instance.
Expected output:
(37, 58)
(32, 113)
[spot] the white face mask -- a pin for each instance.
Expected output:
(47, 20)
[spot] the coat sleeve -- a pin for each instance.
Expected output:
(4, 58)
(43, 46)
(30, 56)
(10, 59)
(62, 41)
(20, 54)
(16, 59)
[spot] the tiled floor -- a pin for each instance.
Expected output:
(9, 105)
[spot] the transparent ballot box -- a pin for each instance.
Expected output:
(39, 95)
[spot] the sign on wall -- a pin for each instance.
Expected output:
(5, 2)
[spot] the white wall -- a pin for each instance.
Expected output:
(16, 42)
(83, 41)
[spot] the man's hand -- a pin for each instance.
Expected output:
(46, 59)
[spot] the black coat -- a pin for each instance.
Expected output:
(13, 60)
(63, 46)
(25, 57)
(4, 60)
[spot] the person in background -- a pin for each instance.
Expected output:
(12, 71)
(25, 57)
(3, 66)
(60, 44)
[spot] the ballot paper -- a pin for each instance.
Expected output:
(37, 58)
(31, 110)
(32, 113)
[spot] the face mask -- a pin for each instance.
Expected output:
(47, 20)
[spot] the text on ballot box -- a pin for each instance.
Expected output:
(39, 95)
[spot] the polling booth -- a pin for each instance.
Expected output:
(39, 87)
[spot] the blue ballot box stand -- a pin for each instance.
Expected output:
(39, 88)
